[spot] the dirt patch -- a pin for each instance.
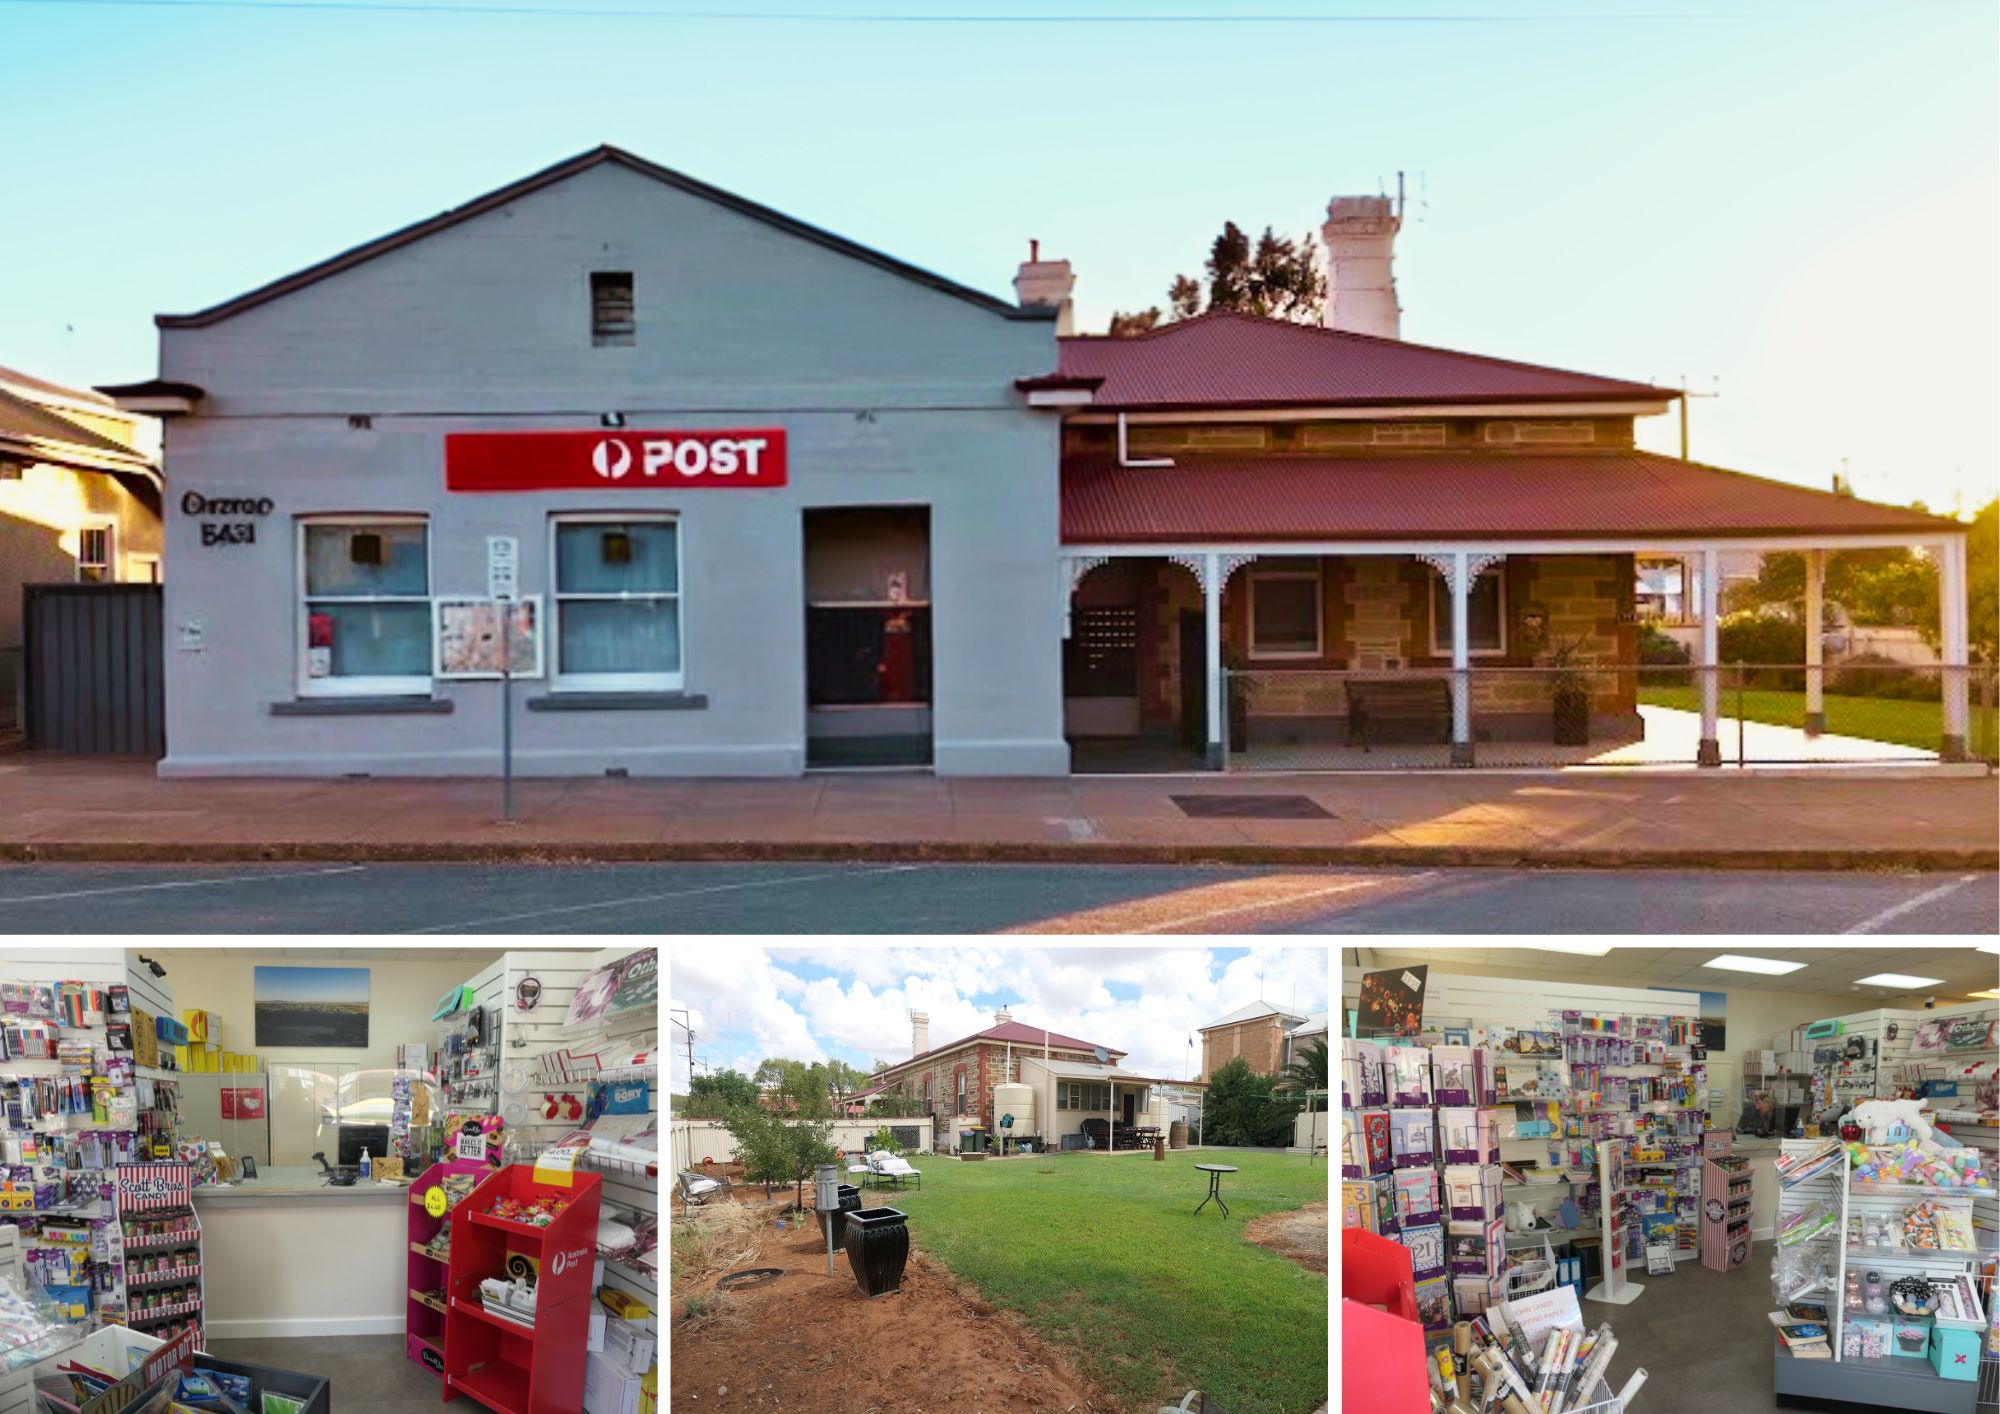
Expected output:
(803, 1342)
(1299, 1234)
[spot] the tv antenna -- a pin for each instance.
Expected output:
(675, 1016)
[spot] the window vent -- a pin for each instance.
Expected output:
(611, 316)
(1543, 433)
(1409, 434)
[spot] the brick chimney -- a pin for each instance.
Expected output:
(1002, 1017)
(920, 1032)
(1046, 283)
(1360, 238)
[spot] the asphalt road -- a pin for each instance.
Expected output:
(811, 898)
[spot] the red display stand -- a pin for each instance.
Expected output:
(1382, 1351)
(424, 1314)
(510, 1368)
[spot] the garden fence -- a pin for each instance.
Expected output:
(1614, 715)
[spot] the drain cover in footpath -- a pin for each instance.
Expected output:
(1251, 807)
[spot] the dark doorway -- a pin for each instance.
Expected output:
(92, 659)
(1130, 1108)
(868, 636)
(1194, 681)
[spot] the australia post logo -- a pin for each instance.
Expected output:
(646, 460)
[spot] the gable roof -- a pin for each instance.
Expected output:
(1226, 359)
(562, 171)
(1250, 1011)
(1018, 1032)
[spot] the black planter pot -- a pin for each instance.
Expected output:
(1572, 717)
(850, 1202)
(878, 1244)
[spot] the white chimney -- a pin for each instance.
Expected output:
(1360, 239)
(1002, 1017)
(1046, 283)
(920, 1032)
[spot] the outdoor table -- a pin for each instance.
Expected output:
(1215, 1173)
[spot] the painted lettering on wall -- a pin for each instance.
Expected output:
(214, 513)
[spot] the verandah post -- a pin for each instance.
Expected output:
(1815, 627)
(1211, 598)
(1709, 752)
(1953, 628)
(1461, 661)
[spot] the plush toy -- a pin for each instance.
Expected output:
(1879, 1117)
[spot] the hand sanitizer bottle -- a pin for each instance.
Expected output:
(367, 1168)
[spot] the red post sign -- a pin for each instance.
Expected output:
(574, 461)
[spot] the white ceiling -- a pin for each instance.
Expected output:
(1962, 970)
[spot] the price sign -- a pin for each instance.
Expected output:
(435, 1203)
(556, 1168)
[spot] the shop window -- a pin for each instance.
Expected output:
(618, 604)
(612, 318)
(96, 546)
(1285, 609)
(366, 606)
(1485, 616)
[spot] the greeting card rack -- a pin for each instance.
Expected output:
(425, 1307)
(161, 1236)
(511, 1367)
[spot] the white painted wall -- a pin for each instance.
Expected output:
(692, 1140)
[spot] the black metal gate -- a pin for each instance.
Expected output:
(93, 659)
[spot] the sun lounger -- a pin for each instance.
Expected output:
(883, 1164)
(696, 1189)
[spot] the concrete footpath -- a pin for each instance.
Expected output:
(93, 810)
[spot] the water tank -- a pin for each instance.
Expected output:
(1018, 1101)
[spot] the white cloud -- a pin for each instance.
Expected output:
(862, 1013)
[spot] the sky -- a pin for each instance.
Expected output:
(746, 1004)
(1794, 202)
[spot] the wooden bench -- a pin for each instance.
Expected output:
(1375, 702)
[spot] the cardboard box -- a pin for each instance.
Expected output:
(608, 1387)
(629, 1344)
(145, 1039)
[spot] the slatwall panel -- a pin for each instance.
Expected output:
(627, 1191)
(525, 1035)
(150, 993)
(1515, 1001)
(17, 1389)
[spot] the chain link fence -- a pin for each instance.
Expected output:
(1607, 715)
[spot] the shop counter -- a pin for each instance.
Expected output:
(284, 1254)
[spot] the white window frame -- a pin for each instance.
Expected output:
(1317, 574)
(559, 681)
(1440, 649)
(110, 561)
(407, 685)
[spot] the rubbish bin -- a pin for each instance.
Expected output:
(972, 1141)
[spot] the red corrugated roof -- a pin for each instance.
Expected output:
(1238, 360)
(1464, 496)
(1016, 1032)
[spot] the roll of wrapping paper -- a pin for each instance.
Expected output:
(1448, 1385)
(1545, 1373)
(1579, 1355)
(1596, 1367)
(1461, 1351)
(1514, 1406)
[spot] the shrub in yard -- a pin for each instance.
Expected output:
(1760, 639)
(1873, 675)
(883, 1139)
(1240, 1109)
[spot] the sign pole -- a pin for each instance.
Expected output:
(503, 585)
(506, 709)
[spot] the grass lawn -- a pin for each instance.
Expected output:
(1106, 1256)
(1918, 724)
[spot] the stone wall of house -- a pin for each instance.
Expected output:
(986, 1065)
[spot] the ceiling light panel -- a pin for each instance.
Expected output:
(1897, 979)
(1766, 966)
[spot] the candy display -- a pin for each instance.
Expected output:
(1917, 1162)
(536, 1212)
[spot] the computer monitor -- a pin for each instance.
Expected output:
(355, 1137)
